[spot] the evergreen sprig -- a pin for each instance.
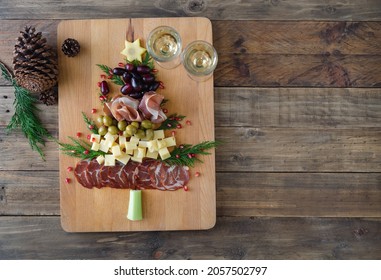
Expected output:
(25, 115)
(186, 154)
(171, 122)
(108, 71)
(90, 124)
(79, 149)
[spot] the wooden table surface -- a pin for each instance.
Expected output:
(297, 105)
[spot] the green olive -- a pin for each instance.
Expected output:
(131, 129)
(126, 134)
(122, 125)
(100, 120)
(113, 130)
(140, 134)
(136, 124)
(102, 130)
(149, 134)
(147, 124)
(107, 120)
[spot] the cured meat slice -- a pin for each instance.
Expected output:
(150, 107)
(150, 174)
(124, 108)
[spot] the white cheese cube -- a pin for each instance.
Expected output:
(152, 146)
(161, 144)
(103, 146)
(123, 158)
(110, 137)
(136, 159)
(158, 134)
(152, 154)
(143, 144)
(134, 139)
(130, 152)
(95, 138)
(109, 160)
(130, 146)
(100, 159)
(170, 141)
(95, 146)
(122, 141)
(116, 151)
(164, 153)
(140, 152)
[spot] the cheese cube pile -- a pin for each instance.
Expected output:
(118, 148)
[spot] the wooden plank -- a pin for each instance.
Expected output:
(78, 93)
(293, 150)
(298, 107)
(232, 238)
(299, 194)
(29, 193)
(213, 9)
(238, 194)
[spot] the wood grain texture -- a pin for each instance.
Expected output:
(312, 54)
(78, 93)
(248, 238)
(213, 9)
(238, 194)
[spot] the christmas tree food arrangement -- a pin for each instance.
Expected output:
(132, 144)
(35, 71)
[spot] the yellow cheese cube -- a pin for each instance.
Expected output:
(134, 139)
(109, 160)
(130, 152)
(164, 153)
(100, 159)
(95, 146)
(140, 152)
(103, 146)
(152, 154)
(161, 144)
(152, 146)
(123, 158)
(116, 151)
(143, 144)
(136, 159)
(130, 146)
(110, 137)
(170, 141)
(158, 134)
(122, 141)
(95, 138)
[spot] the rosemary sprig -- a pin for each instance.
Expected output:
(25, 115)
(186, 154)
(79, 149)
(147, 60)
(114, 78)
(90, 124)
(171, 122)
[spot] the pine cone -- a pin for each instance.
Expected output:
(70, 47)
(49, 97)
(34, 62)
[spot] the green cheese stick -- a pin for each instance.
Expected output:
(135, 212)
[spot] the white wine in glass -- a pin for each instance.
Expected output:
(200, 59)
(164, 45)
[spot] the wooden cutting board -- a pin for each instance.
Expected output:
(84, 210)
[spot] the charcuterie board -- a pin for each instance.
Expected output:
(105, 209)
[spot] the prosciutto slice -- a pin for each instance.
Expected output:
(150, 107)
(150, 174)
(125, 108)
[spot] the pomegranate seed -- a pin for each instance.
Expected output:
(69, 169)
(177, 156)
(197, 174)
(110, 72)
(173, 133)
(193, 155)
(103, 76)
(86, 152)
(99, 84)
(179, 126)
(79, 134)
(72, 151)
(188, 122)
(154, 70)
(109, 76)
(91, 126)
(181, 146)
(121, 64)
(186, 188)
(88, 136)
(93, 139)
(93, 111)
(68, 180)
(165, 110)
(169, 125)
(190, 155)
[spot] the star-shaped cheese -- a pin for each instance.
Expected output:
(133, 50)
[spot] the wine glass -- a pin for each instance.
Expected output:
(164, 45)
(199, 59)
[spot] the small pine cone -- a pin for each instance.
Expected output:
(34, 62)
(70, 47)
(49, 97)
